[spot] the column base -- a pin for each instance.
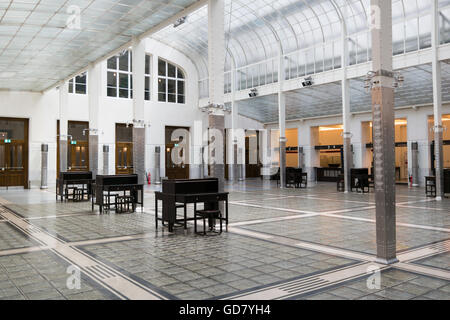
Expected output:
(386, 261)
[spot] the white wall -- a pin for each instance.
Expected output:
(417, 131)
(42, 110)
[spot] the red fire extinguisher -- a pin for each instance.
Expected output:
(149, 180)
(410, 181)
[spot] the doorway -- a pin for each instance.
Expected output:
(78, 146)
(180, 168)
(124, 148)
(252, 161)
(13, 152)
(401, 149)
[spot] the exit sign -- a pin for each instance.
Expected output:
(73, 142)
(7, 140)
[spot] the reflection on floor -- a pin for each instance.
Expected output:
(309, 243)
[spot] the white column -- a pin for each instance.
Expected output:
(63, 105)
(281, 116)
(216, 61)
(437, 99)
(233, 168)
(94, 94)
(138, 109)
(345, 85)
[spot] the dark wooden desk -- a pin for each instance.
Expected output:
(171, 202)
(74, 180)
(107, 186)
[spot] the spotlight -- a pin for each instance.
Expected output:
(180, 21)
(307, 82)
(253, 93)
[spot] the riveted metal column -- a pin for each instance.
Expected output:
(94, 90)
(105, 159)
(437, 100)
(44, 165)
(138, 109)
(281, 117)
(216, 61)
(63, 129)
(383, 130)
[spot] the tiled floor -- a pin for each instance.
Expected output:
(309, 243)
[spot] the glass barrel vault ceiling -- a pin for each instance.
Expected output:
(38, 47)
(325, 100)
(309, 32)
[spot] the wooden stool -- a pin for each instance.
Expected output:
(123, 204)
(211, 215)
(340, 183)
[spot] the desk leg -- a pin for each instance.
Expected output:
(226, 213)
(156, 213)
(170, 226)
(185, 216)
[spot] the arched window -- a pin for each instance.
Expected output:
(171, 82)
(78, 84)
(120, 77)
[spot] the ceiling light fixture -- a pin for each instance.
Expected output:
(307, 82)
(253, 93)
(180, 21)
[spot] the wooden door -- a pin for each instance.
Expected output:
(252, 170)
(14, 152)
(176, 170)
(78, 146)
(124, 158)
(78, 156)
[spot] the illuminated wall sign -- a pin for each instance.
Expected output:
(7, 140)
(73, 142)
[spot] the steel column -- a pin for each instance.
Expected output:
(281, 117)
(63, 129)
(437, 99)
(345, 85)
(94, 90)
(138, 109)
(383, 130)
(216, 61)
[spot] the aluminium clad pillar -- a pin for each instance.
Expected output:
(105, 159)
(281, 116)
(437, 100)
(383, 130)
(216, 60)
(138, 69)
(44, 165)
